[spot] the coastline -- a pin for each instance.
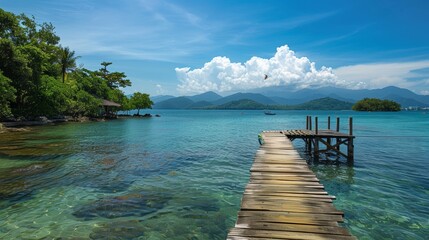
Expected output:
(15, 126)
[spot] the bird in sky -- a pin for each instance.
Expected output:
(266, 76)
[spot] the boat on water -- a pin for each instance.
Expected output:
(269, 113)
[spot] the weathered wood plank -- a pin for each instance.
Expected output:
(290, 208)
(283, 186)
(293, 227)
(274, 216)
(285, 198)
(285, 234)
(284, 182)
(288, 194)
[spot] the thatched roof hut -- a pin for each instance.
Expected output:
(107, 103)
(109, 108)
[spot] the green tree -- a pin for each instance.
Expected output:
(26, 50)
(14, 65)
(141, 101)
(126, 105)
(113, 79)
(52, 98)
(376, 105)
(67, 61)
(91, 82)
(84, 104)
(6, 97)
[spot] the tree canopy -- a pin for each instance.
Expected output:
(376, 105)
(140, 101)
(39, 77)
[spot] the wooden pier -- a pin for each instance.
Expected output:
(284, 199)
(326, 141)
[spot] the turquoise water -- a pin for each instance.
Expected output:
(181, 176)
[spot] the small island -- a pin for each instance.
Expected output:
(376, 105)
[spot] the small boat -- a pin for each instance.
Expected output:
(269, 113)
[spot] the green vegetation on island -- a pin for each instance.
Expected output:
(317, 104)
(376, 105)
(39, 77)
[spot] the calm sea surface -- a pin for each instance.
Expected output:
(181, 176)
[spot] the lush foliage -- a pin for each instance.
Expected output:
(7, 95)
(241, 104)
(140, 101)
(39, 77)
(324, 104)
(376, 105)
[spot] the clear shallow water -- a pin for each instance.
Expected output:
(181, 176)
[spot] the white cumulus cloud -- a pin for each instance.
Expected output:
(284, 68)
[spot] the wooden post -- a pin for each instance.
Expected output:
(306, 123)
(309, 120)
(316, 122)
(350, 151)
(351, 126)
(329, 122)
(316, 148)
(338, 139)
(350, 146)
(338, 124)
(329, 128)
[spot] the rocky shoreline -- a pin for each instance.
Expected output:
(17, 125)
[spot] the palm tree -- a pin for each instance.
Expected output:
(67, 61)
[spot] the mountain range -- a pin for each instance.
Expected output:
(281, 96)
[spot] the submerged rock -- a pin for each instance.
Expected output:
(118, 230)
(132, 204)
(18, 183)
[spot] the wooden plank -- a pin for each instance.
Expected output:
(285, 234)
(277, 152)
(335, 230)
(289, 163)
(285, 198)
(288, 194)
(285, 205)
(284, 182)
(282, 178)
(290, 156)
(295, 208)
(291, 191)
(248, 238)
(284, 186)
(299, 218)
(279, 170)
(268, 174)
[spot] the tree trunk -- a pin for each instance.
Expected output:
(138, 111)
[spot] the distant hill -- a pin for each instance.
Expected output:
(285, 95)
(324, 104)
(201, 104)
(249, 96)
(241, 104)
(174, 103)
(207, 96)
(318, 104)
(159, 98)
(333, 98)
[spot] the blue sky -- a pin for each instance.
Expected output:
(186, 47)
